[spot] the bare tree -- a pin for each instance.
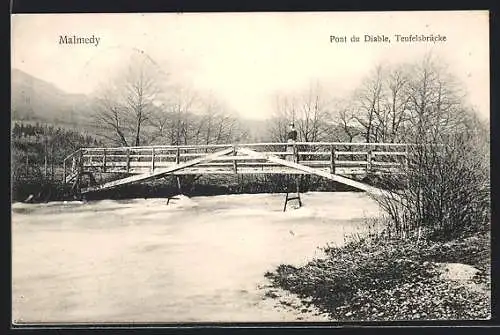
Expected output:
(434, 99)
(220, 124)
(347, 128)
(312, 115)
(396, 104)
(110, 118)
(216, 124)
(181, 106)
(159, 123)
(368, 102)
(445, 186)
(140, 93)
(284, 113)
(309, 111)
(188, 118)
(207, 121)
(129, 100)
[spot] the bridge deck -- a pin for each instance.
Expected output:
(324, 159)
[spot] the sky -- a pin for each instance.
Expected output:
(245, 59)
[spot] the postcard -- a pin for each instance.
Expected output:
(187, 168)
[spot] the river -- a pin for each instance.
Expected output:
(200, 259)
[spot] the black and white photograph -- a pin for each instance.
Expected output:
(255, 167)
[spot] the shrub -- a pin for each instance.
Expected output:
(447, 191)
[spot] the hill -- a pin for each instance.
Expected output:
(34, 99)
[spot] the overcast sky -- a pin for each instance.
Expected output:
(245, 58)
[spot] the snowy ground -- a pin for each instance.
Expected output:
(199, 259)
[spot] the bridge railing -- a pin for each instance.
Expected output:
(329, 156)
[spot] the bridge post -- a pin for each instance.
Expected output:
(332, 159)
(128, 160)
(178, 178)
(295, 153)
(179, 184)
(235, 166)
(295, 159)
(152, 159)
(369, 156)
(288, 191)
(297, 189)
(104, 160)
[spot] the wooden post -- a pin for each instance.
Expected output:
(178, 178)
(369, 161)
(27, 164)
(297, 185)
(332, 159)
(179, 186)
(153, 159)
(297, 190)
(104, 160)
(295, 153)
(235, 166)
(128, 160)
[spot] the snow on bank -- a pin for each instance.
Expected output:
(195, 259)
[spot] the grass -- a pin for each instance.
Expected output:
(379, 278)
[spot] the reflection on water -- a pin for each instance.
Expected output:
(141, 260)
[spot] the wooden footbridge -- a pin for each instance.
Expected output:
(337, 161)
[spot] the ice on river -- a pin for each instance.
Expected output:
(195, 259)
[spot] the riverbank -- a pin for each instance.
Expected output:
(383, 279)
(40, 191)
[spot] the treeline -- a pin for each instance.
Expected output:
(142, 106)
(29, 131)
(37, 152)
(393, 103)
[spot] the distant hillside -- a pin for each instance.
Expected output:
(33, 99)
